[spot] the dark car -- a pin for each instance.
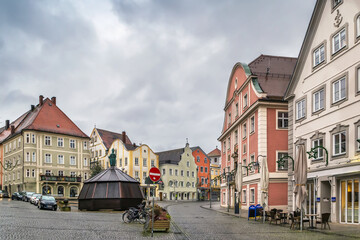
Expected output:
(27, 196)
(16, 196)
(4, 194)
(47, 202)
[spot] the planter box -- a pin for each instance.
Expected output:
(160, 225)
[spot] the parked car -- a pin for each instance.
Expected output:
(16, 196)
(21, 195)
(35, 198)
(47, 202)
(27, 196)
(4, 194)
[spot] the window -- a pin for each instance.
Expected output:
(85, 145)
(120, 162)
(339, 143)
(339, 89)
(163, 171)
(358, 80)
(47, 140)
(72, 174)
(144, 176)
(244, 148)
(198, 159)
(176, 172)
(300, 109)
(60, 159)
(283, 120)
(34, 157)
(136, 161)
(28, 138)
(237, 109)
(285, 165)
(170, 171)
(205, 160)
(145, 162)
(336, 3)
(202, 181)
(60, 142)
(229, 142)
(188, 173)
(188, 164)
(182, 173)
(224, 144)
(33, 173)
(339, 41)
(319, 55)
(229, 122)
(72, 144)
(245, 101)
(85, 162)
(19, 142)
(47, 172)
(27, 156)
(318, 100)
(244, 130)
(252, 160)
(206, 169)
(244, 195)
(85, 175)
(126, 161)
(72, 160)
(319, 152)
(101, 153)
(152, 163)
(136, 174)
(252, 195)
(61, 173)
(193, 184)
(192, 174)
(201, 169)
(27, 172)
(48, 158)
(252, 124)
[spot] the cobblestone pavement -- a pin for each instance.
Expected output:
(21, 220)
(199, 223)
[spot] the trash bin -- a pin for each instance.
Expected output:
(252, 212)
(258, 212)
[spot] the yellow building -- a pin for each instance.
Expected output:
(215, 167)
(134, 160)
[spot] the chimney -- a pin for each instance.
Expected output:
(41, 100)
(7, 123)
(32, 107)
(134, 144)
(124, 136)
(53, 99)
(12, 129)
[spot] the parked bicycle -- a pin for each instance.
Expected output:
(139, 214)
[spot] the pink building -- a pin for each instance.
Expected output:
(255, 130)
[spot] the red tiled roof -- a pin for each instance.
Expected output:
(47, 118)
(109, 137)
(274, 73)
(215, 152)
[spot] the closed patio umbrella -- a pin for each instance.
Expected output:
(238, 179)
(300, 175)
(264, 184)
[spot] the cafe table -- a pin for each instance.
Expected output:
(311, 217)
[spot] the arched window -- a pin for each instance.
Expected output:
(46, 190)
(61, 191)
(73, 192)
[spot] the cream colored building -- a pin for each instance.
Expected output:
(324, 110)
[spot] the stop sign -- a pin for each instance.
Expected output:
(154, 174)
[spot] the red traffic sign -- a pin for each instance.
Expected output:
(154, 174)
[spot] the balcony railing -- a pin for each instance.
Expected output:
(59, 178)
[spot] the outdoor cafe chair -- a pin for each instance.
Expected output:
(294, 221)
(323, 220)
(274, 217)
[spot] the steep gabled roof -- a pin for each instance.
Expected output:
(170, 156)
(109, 137)
(214, 153)
(199, 148)
(45, 117)
(273, 74)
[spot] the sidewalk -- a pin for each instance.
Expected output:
(341, 230)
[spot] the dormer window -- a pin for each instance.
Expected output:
(245, 101)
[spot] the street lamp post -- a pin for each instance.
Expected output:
(210, 184)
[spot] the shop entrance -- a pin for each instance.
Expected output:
(325, 197)
(349, 201)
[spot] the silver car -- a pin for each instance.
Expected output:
(35, 198)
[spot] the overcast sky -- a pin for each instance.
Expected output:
(156, 69)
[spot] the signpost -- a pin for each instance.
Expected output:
(154, 175)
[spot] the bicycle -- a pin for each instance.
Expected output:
(140, 215)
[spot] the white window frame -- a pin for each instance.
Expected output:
(163, 171)
(85, 162)
(144, 162)
(72, 160)
(61, 159)
(300, 109)
(152, 163)
(34, 157)
(136, 162)
(27, 138)
(85, 145)
(72, 143)
(244, 196)
(27, 172)
(319, 55)
(244, 127)
(60, 173)
(340, 143)
(338, 35)
(33, 173)
(60, 142)
(27, 156)
(170, 172)
(245, 100)
(341, 91)
(320, 152)
(319, 100)
(282, 118)
(252, 195)
(47, 140)
(33, 139)
(176, 172)
(277, 159)
(48, 158)
(252, 124)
